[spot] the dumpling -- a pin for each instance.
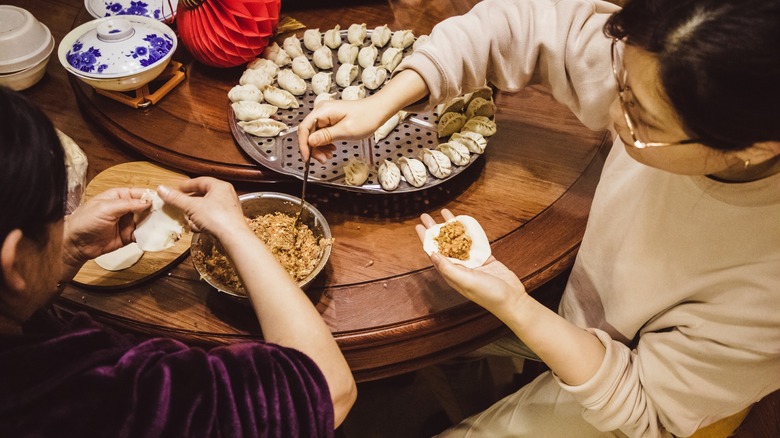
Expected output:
(391, 57)
(332, 37)
(413, 170)
(479, 106)
(291, 82)
(246, 110)
(473, 141)
(356, 33)
(355, 172)
(264, 65)
(449, 123)
(321, 82)
(380, 36)
(373, 77)
(457, 152)
(353, 92)
(159, 227)
(263, 127)
(402, 39)
(281, 98)
(271, 51)
(454, 105)
(323, 97)
(121, 258)
(419, 41)
(367, 56)
(312, 39)
(346, 74)
(302, 67)
(481, 125)
(389, 175)
(258, 78)
(292, 45)
(323, 58)
(348, 53)
(387, 127)
(438, 164)
(483, 92)
(470, 231)
(282, 58)
(247, 92)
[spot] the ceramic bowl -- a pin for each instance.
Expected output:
(259, 204)
(24, 79)
(24, 41)
(162, 10)
(118, 53)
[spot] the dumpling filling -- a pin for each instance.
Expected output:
(453, 241)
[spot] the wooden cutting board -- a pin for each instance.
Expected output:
(133, 174)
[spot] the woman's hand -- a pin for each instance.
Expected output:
(492, 285)
(209, 204)
(101, 225)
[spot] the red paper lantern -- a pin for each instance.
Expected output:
(226, 33)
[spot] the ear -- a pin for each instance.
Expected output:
(10, 260)
(760, 152)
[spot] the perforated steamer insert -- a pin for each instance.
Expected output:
(415, 132)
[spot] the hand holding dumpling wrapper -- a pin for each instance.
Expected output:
(478, 250)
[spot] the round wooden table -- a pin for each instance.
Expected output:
(389, 310)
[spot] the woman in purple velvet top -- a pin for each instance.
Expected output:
(85, 380)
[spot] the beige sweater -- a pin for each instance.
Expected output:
(679, 276)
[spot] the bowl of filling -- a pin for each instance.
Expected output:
(303, 249)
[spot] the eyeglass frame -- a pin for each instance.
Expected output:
(631, 124)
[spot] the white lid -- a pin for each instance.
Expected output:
(24, 41)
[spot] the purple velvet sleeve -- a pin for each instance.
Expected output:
(92, 382)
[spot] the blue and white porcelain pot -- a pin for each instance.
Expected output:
(162, 10)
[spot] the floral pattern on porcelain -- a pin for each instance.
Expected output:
(88, 60)
(136, 8)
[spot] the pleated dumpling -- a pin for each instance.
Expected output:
(346, 74)
(302, 67)
(264, 65)
(381, 36)
(282, 58)
(389, 175)
(263, 127)
(461, 239)
(348, 53)
(323, 58)
(292, 45)
(355, 172)
(367, 56)
(402, 39)
(481, 125)
(312, 39)
(473, 141)
(454, 105)
(458, 153)
(281, 98)
(247, 92)
(247, 110)
(258, 78)
(373, 77)
(291, 82)
(356, 33)
(321, 82)
(271, 51)
(391, 57)
(332, 37)
(353, 92)
(322, 97)
(438, 164)
(449, 123)
(479, 106)
(413, 170)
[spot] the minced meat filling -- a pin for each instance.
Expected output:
(453, 241)
(299, 253)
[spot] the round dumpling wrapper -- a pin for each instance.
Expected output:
(480, 246)
(121, 258)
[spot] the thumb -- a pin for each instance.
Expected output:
(453, 273)
(323, 136)
(174, 197)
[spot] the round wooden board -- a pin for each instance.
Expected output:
(133, 174)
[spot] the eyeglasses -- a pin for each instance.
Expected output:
(626, 97)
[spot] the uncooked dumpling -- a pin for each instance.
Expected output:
(121, 258)
(312, 39)
(292, 45)
(389, 175)
(479, 251)
(323, 58)
(413, 170)
(332, 37)
(247, 92)
(355, 172)
(356, 33)
(247, 110)
(159, 227)
(381, 36)
(263, 127)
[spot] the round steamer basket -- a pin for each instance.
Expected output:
(417, 131)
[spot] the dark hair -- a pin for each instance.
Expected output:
(33, 180)
(719, 63)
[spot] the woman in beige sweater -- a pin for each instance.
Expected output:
(669, 321)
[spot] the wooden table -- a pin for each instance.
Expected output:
(389, 310)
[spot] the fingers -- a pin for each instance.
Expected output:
(420, 232)
(447, 215)
(454, 274)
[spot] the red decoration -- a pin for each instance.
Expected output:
(226, 33)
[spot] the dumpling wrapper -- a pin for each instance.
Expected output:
(480, 246)
(159, 227)
(121, 258)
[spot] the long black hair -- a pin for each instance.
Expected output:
(719, 63)
(33, 179)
